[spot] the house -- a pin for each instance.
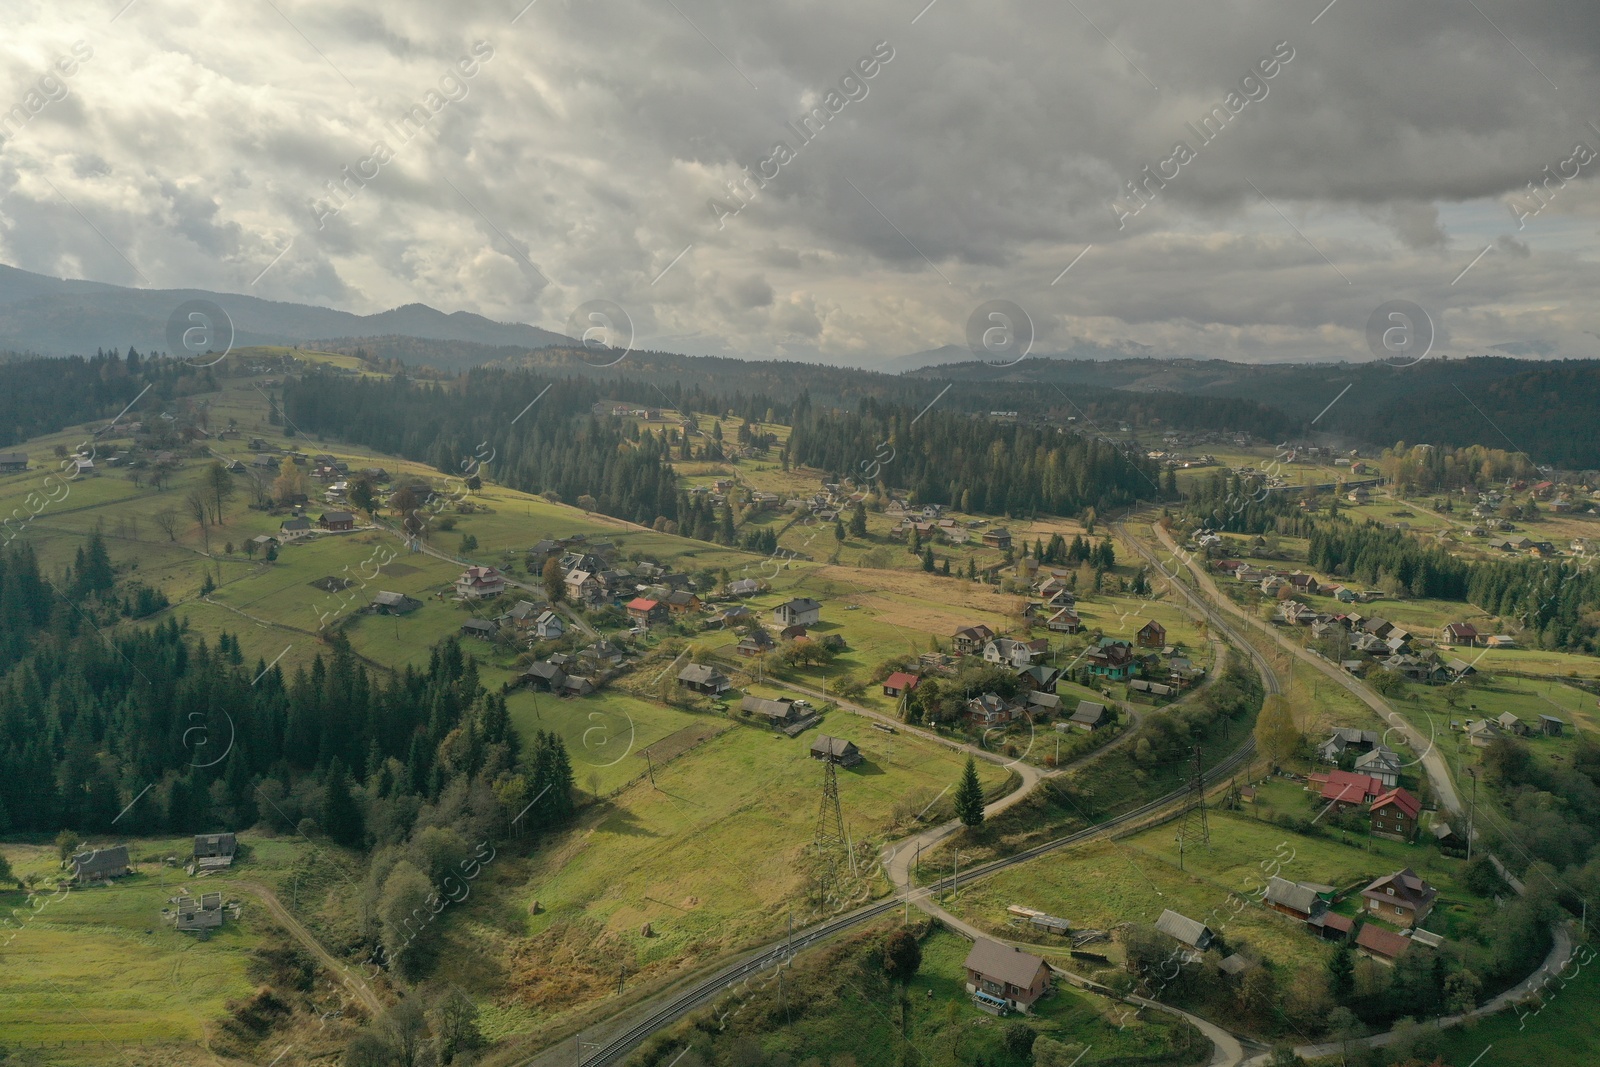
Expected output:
(704, 678)
(990, 709)
(1004, 978)
(1043, 704)
(262, 542)
(643, 610)
(1065, 621)
(549, 626)
(835, 750)
(1385, 946)
(1401, 898)
(744, 587)
(602, 654)
(778, 713)
(214, 850)
(792, 633)
(1551, 726)
(1305, 583)
(899, 682)
(1461, 633)
(1185, 930)
(1484, 732)
(1090, 716)
(1112, 658)
(475, 583)
(544, 675)
(755, 643)
(575, 686)
(1151, 635)
(13, 461)
(1347, 789)
(801, 611)
(387, 603)
(1343, 595)
(1014, 653)
(1152, 689)
(1039, 678)
(480, 628)
(1394, 815)
(522, 615)
(337, 520)
(1509, 722)
(289, 529)
(1292, 898)
(682, 602)
(1381, 763)
(1346, 740)
(1500, 641)
(999, 537)
(100, 864)
(582, 586)
(971, 638)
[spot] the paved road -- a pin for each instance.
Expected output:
(347, 977)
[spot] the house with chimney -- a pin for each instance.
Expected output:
(1003, 978)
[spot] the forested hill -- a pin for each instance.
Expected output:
(40, 396)
(977, 465)
(556, 445)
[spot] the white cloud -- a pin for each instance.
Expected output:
(987, 153)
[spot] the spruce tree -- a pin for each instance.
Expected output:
(969, 797)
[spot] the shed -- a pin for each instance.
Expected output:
(1191, 932)
(101, 864)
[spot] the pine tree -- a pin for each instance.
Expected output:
(341, 816)
(555, 585)
(969, 797)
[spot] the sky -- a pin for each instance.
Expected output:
(519, 161)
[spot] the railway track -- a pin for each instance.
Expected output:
(707, 990)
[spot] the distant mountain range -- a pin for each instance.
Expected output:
(56, 317)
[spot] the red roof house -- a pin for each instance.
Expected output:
(1347, 788)
(899, 682)
(643, 608)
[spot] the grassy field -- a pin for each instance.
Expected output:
(102, 965)
(712, 855)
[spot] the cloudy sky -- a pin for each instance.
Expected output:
(580, 149)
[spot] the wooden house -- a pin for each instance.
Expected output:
(1151, 635)
(1292, 898)
(1402, 898)
(1394, 815)
(1112, 658)
(999, 537)
(643, 610)
(835, 750)
(1091, 716)
(755, 643)
(337, 520)
(1551, 726)
(682, 602)
(214, 850)
(482, 629)
(100, 865)
(704, 678)
(389, 603)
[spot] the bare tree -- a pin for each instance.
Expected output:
(220, 482)
(199, 509)
(167, 520)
